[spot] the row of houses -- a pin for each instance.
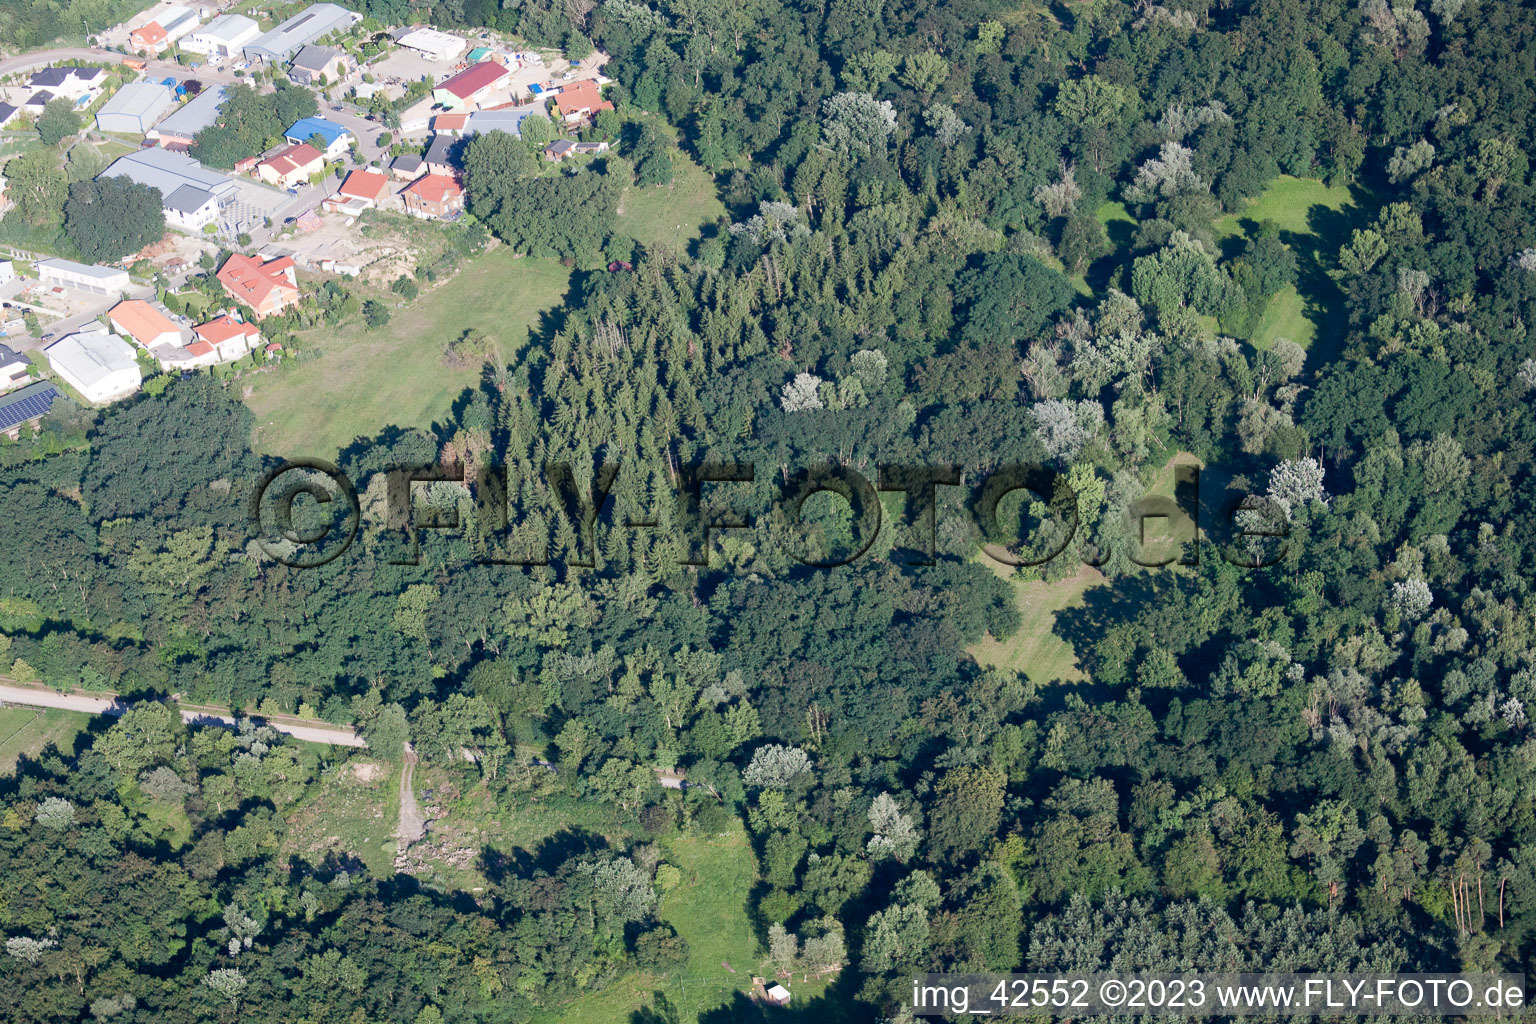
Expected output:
(81, 86)
(193, 196)
(435, 191)
(99, 364)
(220, 340)
(229, 34)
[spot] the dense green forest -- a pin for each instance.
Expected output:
(27, 24)
(960, 234)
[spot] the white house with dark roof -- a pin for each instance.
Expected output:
(190, 208)
(15, 371)
(70, 82)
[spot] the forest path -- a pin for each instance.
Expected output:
(309, 730)
(412, 826)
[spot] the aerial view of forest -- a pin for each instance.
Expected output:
(925, 487)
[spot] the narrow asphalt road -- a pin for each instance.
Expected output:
(43, 58)
(38, 698)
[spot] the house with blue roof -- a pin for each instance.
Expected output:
(336, 138)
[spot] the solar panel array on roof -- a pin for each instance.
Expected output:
(30, 402)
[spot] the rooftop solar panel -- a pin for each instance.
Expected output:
(28, 403)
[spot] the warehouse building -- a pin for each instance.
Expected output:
(434, 45)
(178, 22)
(98, 364)
(82, 277)
(223, 36)
(190, 194)
(135, 108)
(302, 29)
(181, 128)
(168, 171)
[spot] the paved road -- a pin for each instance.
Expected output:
(70, 324)
(33, 697)
(43, 58)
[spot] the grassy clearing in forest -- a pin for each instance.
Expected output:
(709, 910)
(353, 810)
(1314, 219)
(1035, 649)
(364, 380)
(673, 214)
(26, 731)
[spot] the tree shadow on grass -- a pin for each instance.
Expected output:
(546, 857)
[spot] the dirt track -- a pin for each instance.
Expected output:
(338, 736)
(412, 826)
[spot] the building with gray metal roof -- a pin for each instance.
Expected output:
(300, 30)
(135, 108)
(509, 121)
(168, 171)
(198, 113)
(96, 363)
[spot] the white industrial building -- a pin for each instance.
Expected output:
(223, 36)
(302, 29)
(82, 277)
(177, 22)
(135, 108)
(434, 45)
(98, 364)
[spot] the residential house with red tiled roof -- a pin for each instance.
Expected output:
(223, 339)
(470, 87)
(144, 323)
(291, 165)
(149, 39)
(363, 190)
(266, 287)
(432, 196)
(581, 100)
